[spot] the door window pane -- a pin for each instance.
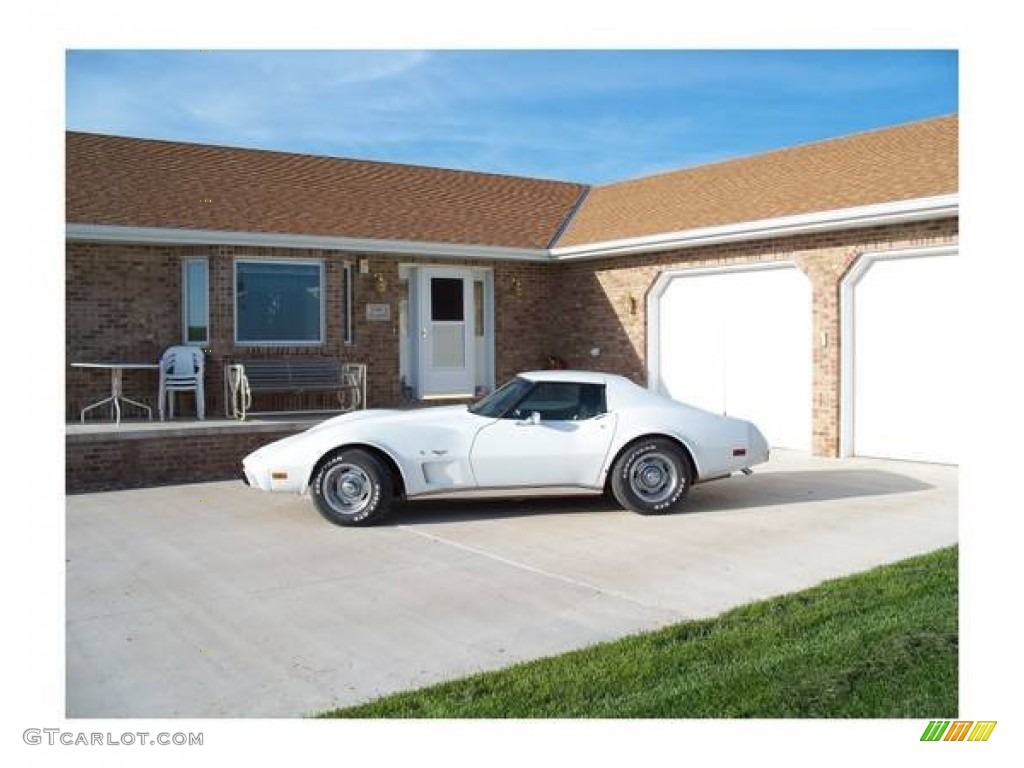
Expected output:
(562, 401)
(446, 299)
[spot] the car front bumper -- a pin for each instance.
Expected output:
(265, 473)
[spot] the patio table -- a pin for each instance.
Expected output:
(116, 389)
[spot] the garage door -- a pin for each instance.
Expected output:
(903, 356)
(738, 342)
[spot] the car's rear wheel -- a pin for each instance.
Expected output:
(652, 477)
(352, 488)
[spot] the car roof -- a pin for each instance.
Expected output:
(581, 377)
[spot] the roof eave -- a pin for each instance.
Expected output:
(108, 233)
(882, 214)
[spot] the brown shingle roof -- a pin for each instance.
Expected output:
(899, 163)
(145, 183)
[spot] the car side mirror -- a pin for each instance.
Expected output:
(530, 421)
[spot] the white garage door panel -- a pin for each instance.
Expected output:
(692, 346)
(906, 344)
(738, 342)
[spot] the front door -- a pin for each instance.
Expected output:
(446, 349)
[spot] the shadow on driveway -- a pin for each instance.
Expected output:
(735, 493)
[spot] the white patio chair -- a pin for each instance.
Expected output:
(181, 370)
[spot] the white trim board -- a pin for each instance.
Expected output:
(166, 236)
(919, 209)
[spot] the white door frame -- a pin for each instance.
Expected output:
(410, 272)
(846, 329)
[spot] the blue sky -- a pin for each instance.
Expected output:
(588, 116)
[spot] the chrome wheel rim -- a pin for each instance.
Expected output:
(347, 489)
(654, 478)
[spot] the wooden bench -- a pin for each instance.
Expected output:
(295, 375)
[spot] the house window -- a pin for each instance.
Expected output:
(279, 302)
(347, 294)
(478, 308)
(195, 301)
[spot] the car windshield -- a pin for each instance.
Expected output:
(498, 403)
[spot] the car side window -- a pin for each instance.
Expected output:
(562, 401)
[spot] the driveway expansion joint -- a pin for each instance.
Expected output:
(601, 591)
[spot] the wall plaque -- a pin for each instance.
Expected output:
(377, 312)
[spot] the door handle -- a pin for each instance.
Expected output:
(423, 333)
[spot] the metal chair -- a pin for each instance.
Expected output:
(181, 370)
(237, 394)
(354, 375)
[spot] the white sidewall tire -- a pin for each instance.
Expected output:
(379, 490)
(661, 452)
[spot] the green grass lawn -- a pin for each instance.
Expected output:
(878, 644)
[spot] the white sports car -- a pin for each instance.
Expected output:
(546, 429)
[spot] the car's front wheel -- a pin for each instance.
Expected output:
(652, 477)
(352, 488)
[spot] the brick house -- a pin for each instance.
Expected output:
(806, 288)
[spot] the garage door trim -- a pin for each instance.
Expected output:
(661, 285)
(848, 284)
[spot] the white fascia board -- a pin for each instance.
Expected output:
(105, 233)
(944, 206)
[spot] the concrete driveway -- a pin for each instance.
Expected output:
(213, 600)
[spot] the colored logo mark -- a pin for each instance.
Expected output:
(958, 730)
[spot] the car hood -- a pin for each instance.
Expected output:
(412, 417)
(378, 427)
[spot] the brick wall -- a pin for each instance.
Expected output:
(114, 462)
(123, 302)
